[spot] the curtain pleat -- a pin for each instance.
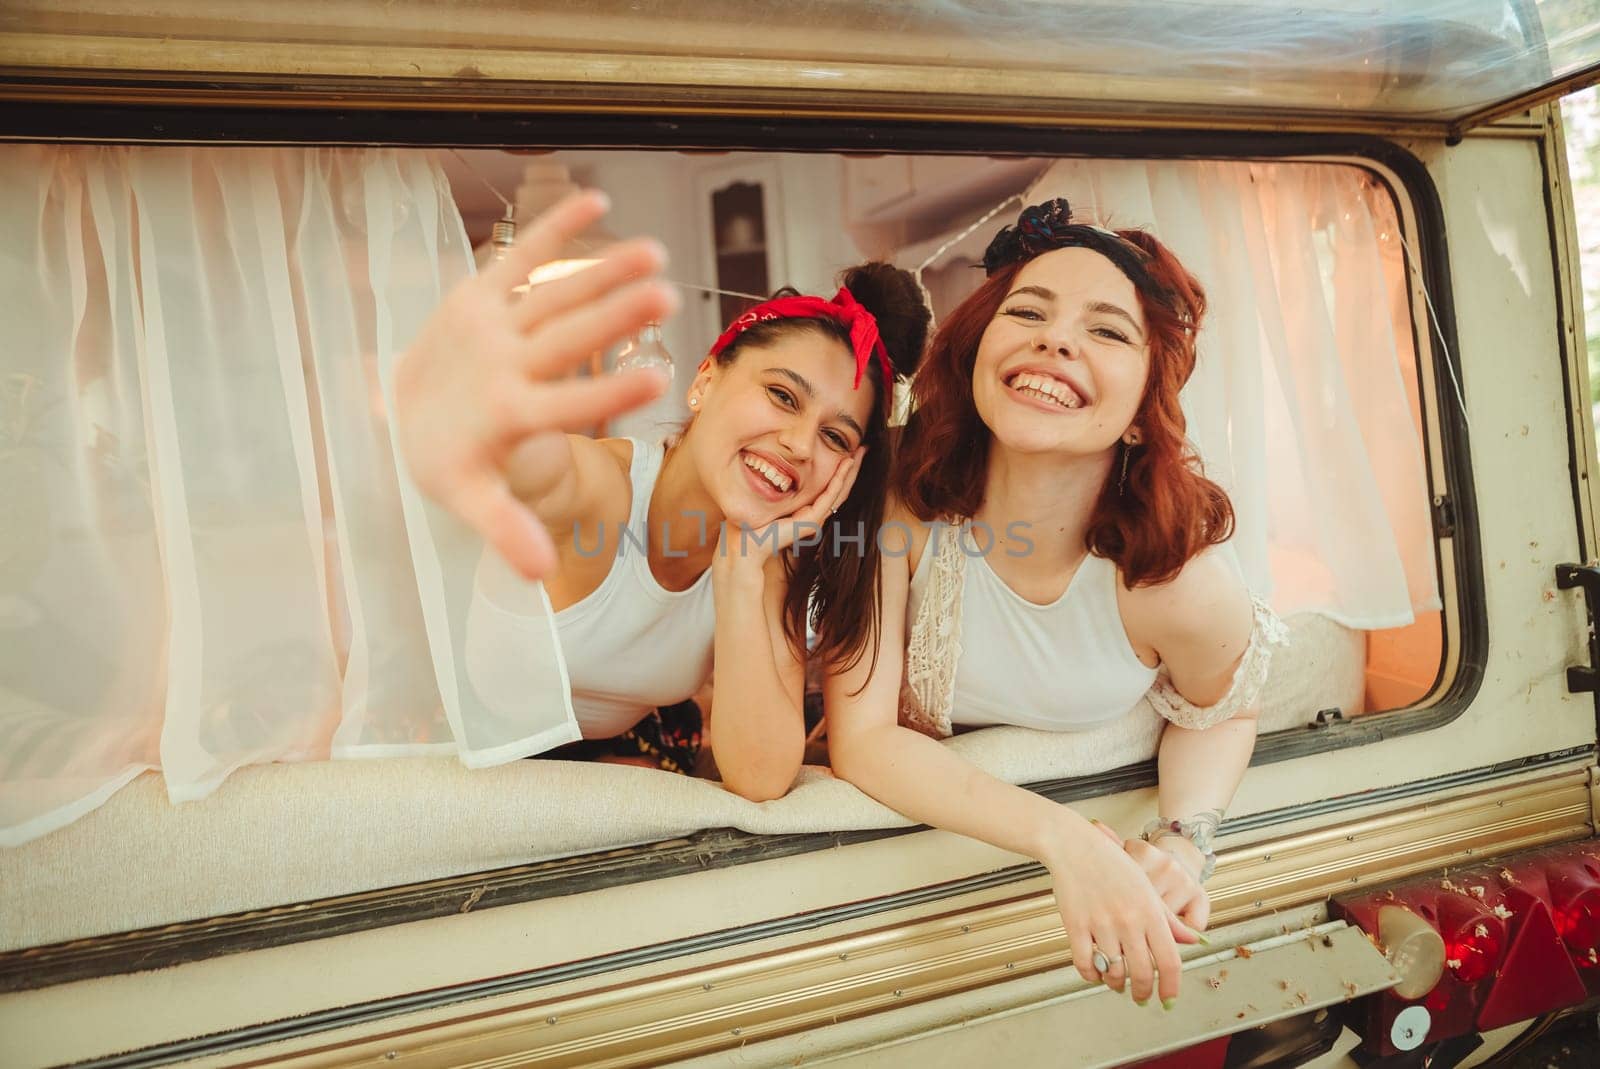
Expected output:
(83, 609)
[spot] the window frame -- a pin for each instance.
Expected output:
(1446, 450)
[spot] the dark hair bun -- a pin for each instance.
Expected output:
(895, 301)
(1039, 229)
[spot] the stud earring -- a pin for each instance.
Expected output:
(694, 402)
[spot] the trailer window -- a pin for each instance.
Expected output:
(216, 564)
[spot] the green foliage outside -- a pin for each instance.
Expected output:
(1580, 114)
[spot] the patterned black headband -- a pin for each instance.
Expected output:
(1043, 228)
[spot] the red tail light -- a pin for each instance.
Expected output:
(1472, 956)
(1519, 938)
(1474, 937)
(1575, 908)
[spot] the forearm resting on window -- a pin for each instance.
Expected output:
(758, 731)
(1202, 769)
(920, 779)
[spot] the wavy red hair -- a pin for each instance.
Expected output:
(1165, 514)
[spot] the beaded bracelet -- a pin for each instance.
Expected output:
(1199, 829)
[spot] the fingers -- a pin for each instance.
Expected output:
(1164, 954)
(1083, 953)
(543, 239)
(579, 404)
(844, 479)
(809, 519)
(506, 524)
(619, 264)
(1179, 931)
(834, 494)
(1197, 913)
(563, 341)
(1172, 880)
(1140, 965)
(1116, 974)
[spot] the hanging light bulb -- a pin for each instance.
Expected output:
(502, 236)
(646, 350)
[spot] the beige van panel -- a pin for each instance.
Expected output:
(1092, 1027)
(1272, 883)
(1350, 64)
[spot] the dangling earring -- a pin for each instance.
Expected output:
(1122, 481)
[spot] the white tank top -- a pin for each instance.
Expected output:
(632, 645)
(1065, 666)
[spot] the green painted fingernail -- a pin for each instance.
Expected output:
(1145, 1002)
(1203, 940)
(1168, 1003)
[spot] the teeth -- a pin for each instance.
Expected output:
(1046, 388)
(767, 471)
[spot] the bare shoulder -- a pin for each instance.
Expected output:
(602, 465)
(617, 451)
(1203, 613)
(903, 537)
(605, 461)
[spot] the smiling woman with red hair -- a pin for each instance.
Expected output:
(1054, 571)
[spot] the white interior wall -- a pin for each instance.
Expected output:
(648, 193)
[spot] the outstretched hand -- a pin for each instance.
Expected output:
(486, 375)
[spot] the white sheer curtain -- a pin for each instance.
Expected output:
(1302, 403)
(207, 558)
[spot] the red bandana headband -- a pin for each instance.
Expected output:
(863, 328)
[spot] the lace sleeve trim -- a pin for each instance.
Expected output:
(1266, 633)
(933, 647)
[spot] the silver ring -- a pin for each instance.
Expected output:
(1103, 964)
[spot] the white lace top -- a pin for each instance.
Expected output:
(1065, 666)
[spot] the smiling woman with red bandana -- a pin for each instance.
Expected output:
(662, 558)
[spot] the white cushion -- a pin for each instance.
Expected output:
(276, 834)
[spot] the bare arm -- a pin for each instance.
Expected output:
(758, 733)
(563, 478)
(1103, 897)
(1200, 625)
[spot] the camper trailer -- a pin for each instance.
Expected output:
(254, 807)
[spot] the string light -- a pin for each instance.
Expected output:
(503, 235)
(916, 273)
